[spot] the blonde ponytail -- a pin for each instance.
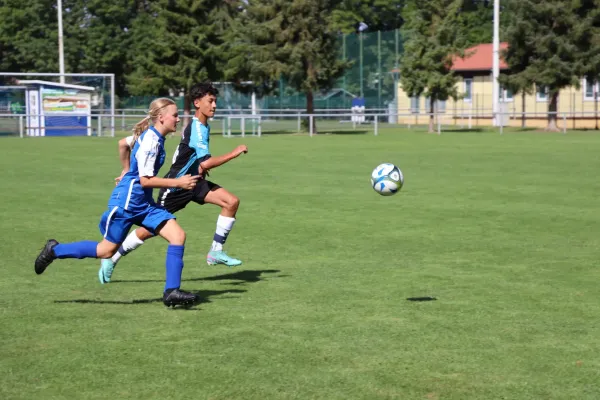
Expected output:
(155, 109)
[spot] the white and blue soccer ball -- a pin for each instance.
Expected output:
(387, 179)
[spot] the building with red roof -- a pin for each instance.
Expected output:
(475, 84)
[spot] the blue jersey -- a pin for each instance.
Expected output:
(192, 150)
(147, 156)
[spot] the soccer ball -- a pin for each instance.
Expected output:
(387, 179)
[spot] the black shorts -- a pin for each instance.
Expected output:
(176, 199)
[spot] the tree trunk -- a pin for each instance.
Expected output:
(310, 109)
(552, 115)
(596, 105)
(187, 105)
(431, 114)
(523, 110)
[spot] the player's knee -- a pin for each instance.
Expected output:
(106, 250)
(233, 203)
(178, 237)
(143, 234)
(106, 253)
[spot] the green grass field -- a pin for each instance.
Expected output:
(479, 280)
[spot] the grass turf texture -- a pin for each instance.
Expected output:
(500, 234)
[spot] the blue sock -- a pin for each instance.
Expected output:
(83, 249)
(174, 266)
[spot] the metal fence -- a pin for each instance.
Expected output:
(299, 122)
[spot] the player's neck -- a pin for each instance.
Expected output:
(161, 130)
(201, 117)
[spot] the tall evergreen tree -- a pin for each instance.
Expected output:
(552, 34)
(94, 36)
(290, 39)
(28, 36)
(98, 37)
(588, 15)
(518, 57)
(432, 37)
(176, 43)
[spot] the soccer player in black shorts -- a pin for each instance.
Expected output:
(192, 157)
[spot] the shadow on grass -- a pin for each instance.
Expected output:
(590, 130)
(463, 130)
(343, 132)
(204, 296)
(421, 299)
(240, 276)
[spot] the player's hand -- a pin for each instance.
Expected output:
(203, 172)
(120, 177)
(242, 148)
(187, 182)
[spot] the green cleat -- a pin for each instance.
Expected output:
(107, 267)
(220, 257)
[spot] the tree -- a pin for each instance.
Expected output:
(176, 43)
(98, 37)
(518, 56)
(289, 39)
(94, 36)
(432, 37)
(588, 15)
(379, 15)
(551, 33)
(28, 36)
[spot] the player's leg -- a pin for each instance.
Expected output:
(113, 225)
(229, 204)
(163, 223)
(172, 201)
(134, 240)
(83, 249)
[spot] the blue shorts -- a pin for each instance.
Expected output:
(116, 222)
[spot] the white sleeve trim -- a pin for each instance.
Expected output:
(129, 140)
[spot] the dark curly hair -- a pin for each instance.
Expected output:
(199, 90)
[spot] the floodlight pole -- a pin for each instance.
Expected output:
(344, 58)
(360, 47)
(361, 27)
(61, 56)
(496, 64)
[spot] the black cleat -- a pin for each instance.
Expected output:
(46, 257)
(176, 297)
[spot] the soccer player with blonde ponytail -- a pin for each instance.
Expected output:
(131, 203)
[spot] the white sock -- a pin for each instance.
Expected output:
(130, 243)
(224, 225)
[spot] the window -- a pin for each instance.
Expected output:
(542, 93)
(439, 106)
(414, 104)
(468, 90)
(588, 89)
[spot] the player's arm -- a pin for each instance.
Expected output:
(124, 155)
(185, 182)
(214, 162)
(125, 152)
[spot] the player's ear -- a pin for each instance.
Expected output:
(161, 117)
